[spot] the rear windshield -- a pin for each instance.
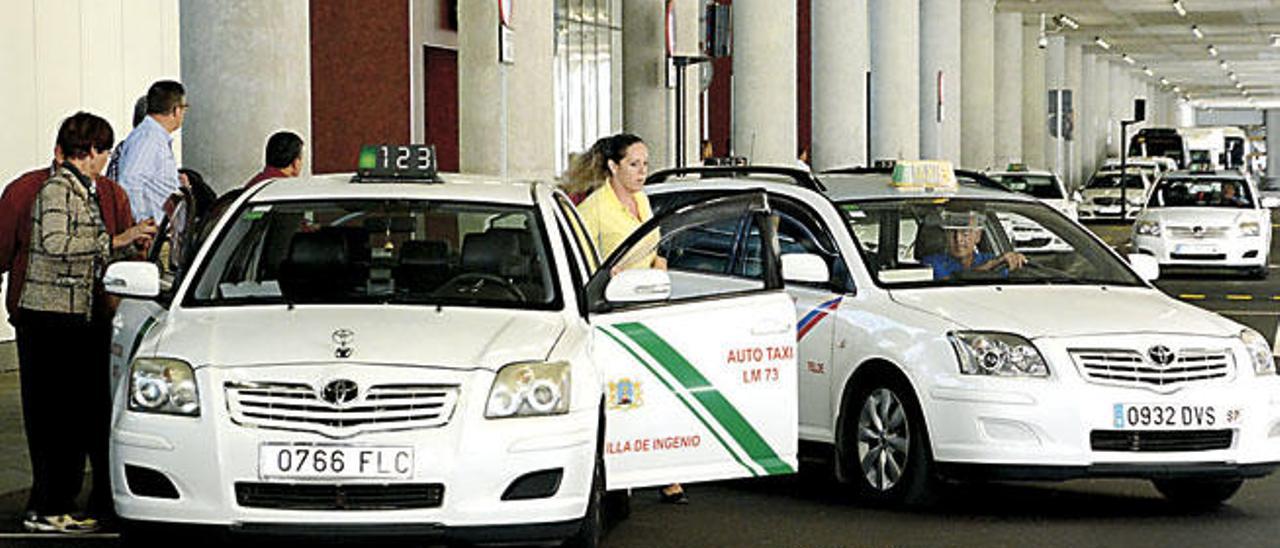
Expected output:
(1112, 180)
(1201, 192)
(1044, 187)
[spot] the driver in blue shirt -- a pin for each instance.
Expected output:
(963, 232)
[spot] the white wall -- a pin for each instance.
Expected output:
(63, 56)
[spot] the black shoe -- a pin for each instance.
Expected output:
(678, 497)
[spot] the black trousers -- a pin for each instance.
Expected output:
(66, 406)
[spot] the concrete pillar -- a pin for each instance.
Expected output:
(1008, 88)
(1120, 105)
(1086, 138)
(506, 118)
(256, 52)
(1187, 118)
(645, 96)
(940, 77)
(1074, 74)
(1034, 115)
(895, 76)
(841, 57)
(977, 51)
(1055, 79)
(764, 81)
(1272, 117)
(1100, 107)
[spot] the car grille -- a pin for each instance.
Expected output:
(1157, 441)
(294, 496)
(1205, 232)
(1106, 201)
(380, 408)
(1130, 368)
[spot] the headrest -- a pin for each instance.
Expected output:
(320, 265)
(321, 249)
(930, 240)
(494, 252)
(423, 252)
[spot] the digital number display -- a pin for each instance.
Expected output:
(398, 161)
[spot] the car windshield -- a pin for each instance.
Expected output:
(1041, 186)
(1112, 180)
(379, 251)
(1201, 192)
(940, 242)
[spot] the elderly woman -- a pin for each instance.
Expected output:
(59, 343)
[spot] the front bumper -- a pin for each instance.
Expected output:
(1097, 212)
(1230, 252)
(472, 459)
(1065, 426)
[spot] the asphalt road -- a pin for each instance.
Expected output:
(811, 510)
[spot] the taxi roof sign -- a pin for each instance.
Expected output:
(1016, 167)
(922, 174)
(397, 163)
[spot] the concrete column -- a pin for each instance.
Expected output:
(977, 51)
(1055, 78)
(256, 52)
(764, 81)
(895, 76)
(1272, 117)
(1100, 109)
(841, 57)
(1086, 139)
(1034, 115)
(1008, 88)
(1074, 54)
(645, 96)
(1187, 118)
(940, 77)
(506, 118)
(1120, 105)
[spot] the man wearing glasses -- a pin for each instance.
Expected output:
(144, 164)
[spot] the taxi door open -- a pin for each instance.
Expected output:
(699, 365)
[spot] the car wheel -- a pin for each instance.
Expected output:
(1198, 493)
(1259, 273)
(592, 528)
(884, 446)
(617, 505)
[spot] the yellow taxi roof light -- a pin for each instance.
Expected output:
(1016, 167)
(921, 174)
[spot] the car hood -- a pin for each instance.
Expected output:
(1202, 216)
(462, 338)
(1065, 311)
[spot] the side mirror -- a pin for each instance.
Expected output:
(638, 286)
(1270, 202)
(804, 267)
(132, 279)
(1146, 266)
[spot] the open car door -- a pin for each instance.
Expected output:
(700, 368)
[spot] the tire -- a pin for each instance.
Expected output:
(617, 505)
(1259, 273)
(591, 530)
(1201, 494)
(884, 447)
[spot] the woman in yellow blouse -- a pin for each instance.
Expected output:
(617, 208)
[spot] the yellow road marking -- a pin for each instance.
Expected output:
(1239, 297)
(1191, 296)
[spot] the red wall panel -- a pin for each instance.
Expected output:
(359, 79)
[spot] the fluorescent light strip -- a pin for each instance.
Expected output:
(1177, 6)
(1101, 43)
(1196, 31)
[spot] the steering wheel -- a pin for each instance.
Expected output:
(475, 282)
(1043, 268)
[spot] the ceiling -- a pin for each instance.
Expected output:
(1156, 36)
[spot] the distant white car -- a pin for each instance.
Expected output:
(1048, 188)
(1103, 195)
(1206, 219)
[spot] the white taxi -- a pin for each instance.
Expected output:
(1206, 219)
(439, 356)
(1046, 186)
(1104, 197)
(923, 357)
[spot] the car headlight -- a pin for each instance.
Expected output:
(529, 389)
(1250, 228)
(1263, 362)
(1147, 228)
(162, 385)
(997, 354)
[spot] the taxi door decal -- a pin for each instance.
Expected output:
(711, 401)
(815, 316)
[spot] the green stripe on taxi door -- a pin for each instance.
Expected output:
(711, 399)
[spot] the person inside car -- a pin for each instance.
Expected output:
(962, 232)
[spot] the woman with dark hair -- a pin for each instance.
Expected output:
(60, 354)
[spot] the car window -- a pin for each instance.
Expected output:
(1041, 186)
(915, 242)
(386, 251)
(796, 236)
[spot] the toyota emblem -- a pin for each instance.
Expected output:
(343, 338)
(1160, 355)
(340, 392)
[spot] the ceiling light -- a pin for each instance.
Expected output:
(1275, 40)
(1177, 6)
(1177, 89)
(1196, 31)
(1128, 59)
(1244, 92)
(1103, 43)
(1223, 64)
(1232, 76)
(1064, 20)
(1147, 70)
(1164, 81)
(1239, 85)
(1213, 51)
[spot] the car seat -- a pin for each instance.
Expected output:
(424, 265)
(321, 265)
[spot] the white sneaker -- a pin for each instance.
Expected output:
(60, 523)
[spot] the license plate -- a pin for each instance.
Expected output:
(299, 461)
(1166, 417)
(1194, 249)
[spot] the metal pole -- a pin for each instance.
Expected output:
(680, 106)
(1124, 171)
